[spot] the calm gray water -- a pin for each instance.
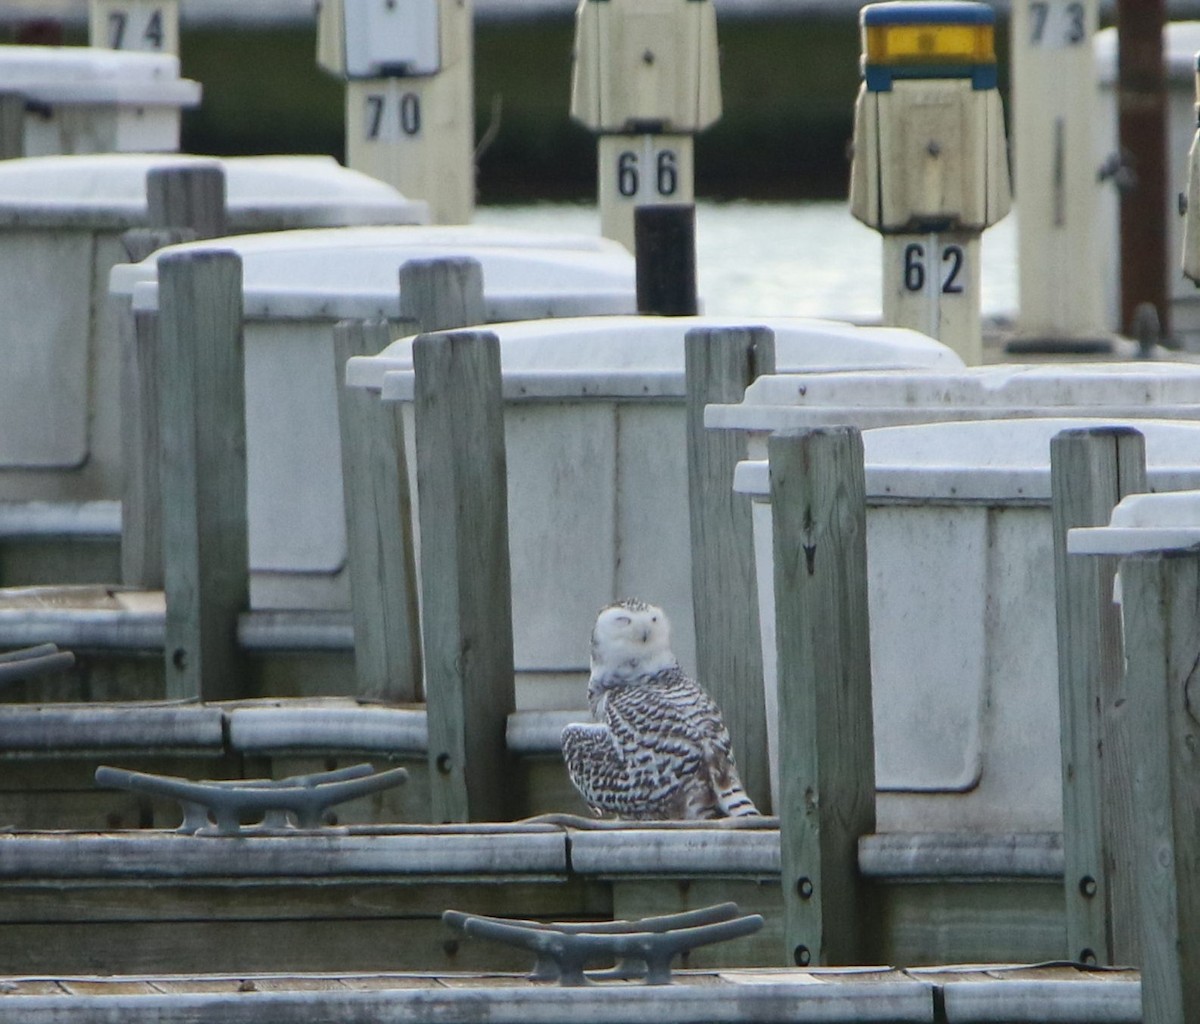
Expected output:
(780, 259)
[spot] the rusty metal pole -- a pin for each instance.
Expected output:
(1142, 134)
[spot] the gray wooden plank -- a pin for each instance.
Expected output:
(330, 855)
(895, 1000)
(383, 574)
(973, 921)
(1161, 614)
(203, 432)
(640, 851)
(142, 728)
(826, 738)
(720, 364)
(928, 856)
(325, 727)
(466, 582)
(1090, 471)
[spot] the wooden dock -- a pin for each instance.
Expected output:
(371, 897)
(858, 996)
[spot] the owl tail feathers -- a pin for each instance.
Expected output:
(734, 802)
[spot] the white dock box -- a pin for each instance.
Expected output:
(82, 99)
(61, 220)
(297, 286)
(885, 399)
(595, 427)
(961, 599)
(1142, 523)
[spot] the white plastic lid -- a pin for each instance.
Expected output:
(260, 191)
(1004, 460)
(91, 75)
(780, 402)
(354, 272)
(1143, 522)
(644, 355)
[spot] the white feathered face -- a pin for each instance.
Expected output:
(631, 636)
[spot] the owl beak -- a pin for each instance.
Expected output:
(645, 635)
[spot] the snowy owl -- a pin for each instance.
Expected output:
(658, 748)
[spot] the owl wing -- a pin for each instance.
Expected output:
(683, 725)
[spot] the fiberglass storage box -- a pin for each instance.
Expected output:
(595, 425)
(961, 599)
(61, 221)
(297, 285)
(82, 99)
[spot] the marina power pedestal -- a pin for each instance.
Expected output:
(646, 79)
(1063, 250)
(150, 25)
(930, 168)
(409, 95)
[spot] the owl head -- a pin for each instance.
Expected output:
(631, 638)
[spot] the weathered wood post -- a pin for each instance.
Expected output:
(1161, 614)
(435, 295)
(1142, 139)
(383, 576)
(188, 196)
(203, 431)
(184, 203)
(720, 363)
(826, 731)
(141, 490)
(442, 294)
(1090, 471)
(12, 125)
(466, 587)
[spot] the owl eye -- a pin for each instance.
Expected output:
(623, 620)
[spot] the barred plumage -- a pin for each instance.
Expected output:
(658, 748)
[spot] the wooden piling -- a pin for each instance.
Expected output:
(1161, 613)
(188, 196)
(442, 294)
(1090, 471)
(466, 586)
(141, 495)
(826, 733)
(383, 577)
(184, 203)
(12, 125)
(1142, 139)
(665, 248)
(203, 432)
(720, 363)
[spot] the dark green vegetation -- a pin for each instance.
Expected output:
(788, 88)
(788, 91)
